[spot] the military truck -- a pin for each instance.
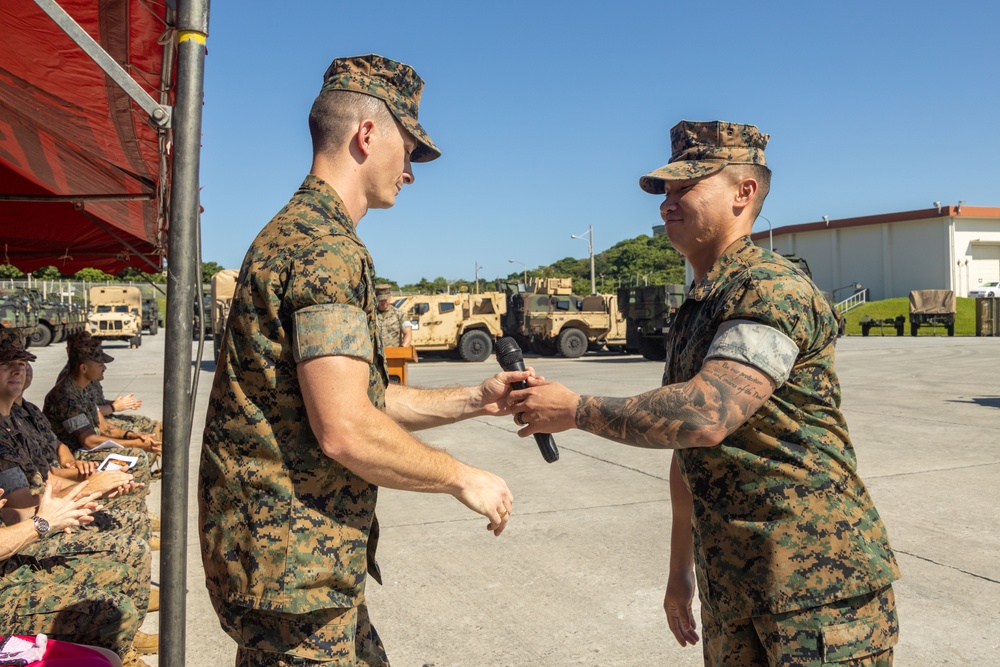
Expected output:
(545, 317)
(649, 312)
(932, 307)
(465, 323)
(15, 314)
(53, 319)
(150, 316)
(116, 314)
(223, 287)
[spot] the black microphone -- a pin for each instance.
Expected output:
(510, 359)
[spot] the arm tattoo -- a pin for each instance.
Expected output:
(697, 413)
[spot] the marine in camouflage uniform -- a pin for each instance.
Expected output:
(391, 321)
(71, 409)
(25, 449)
(74, 598)
(288, 533)
(792, 560)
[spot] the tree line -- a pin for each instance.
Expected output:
(643, 260)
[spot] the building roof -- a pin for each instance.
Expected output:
(886, 218)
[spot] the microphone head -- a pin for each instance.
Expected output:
(507, 351)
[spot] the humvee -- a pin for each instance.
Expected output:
(116, 314)
(466, 323)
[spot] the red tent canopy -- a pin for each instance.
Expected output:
(67, 129)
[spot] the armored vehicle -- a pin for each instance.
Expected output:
(116, 314)
(932, 307)
(53, 319)
(649, 311)
(223, 287)
(15, 314)
(545, 317)
(150, 316)
(466, 323)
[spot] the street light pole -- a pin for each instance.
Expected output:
(590, 237)
(523, 266)
(770, 234)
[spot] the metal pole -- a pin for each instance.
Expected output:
(182, 274)
(593, 284)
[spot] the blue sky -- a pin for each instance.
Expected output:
(547, 113)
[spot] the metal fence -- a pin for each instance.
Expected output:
(78, 291)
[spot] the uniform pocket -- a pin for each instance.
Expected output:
(854, 640)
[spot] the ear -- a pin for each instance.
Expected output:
(746, 191)
(365, 136)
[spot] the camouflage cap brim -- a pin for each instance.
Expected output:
(655, 181)
(8, 355)
(392, 82)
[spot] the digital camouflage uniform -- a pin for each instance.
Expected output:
(69, 408)
(29, 420)
(782, 522)
(135, 423)
(72, 598)
(391, 323)
(116, 533)
(287, 532)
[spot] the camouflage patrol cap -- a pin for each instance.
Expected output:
(392, 82)
(383, 290)
(89, 349)
(704, 148)
(12, 347)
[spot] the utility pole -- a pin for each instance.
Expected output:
(590, 236)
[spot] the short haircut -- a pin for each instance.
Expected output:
(75, 361)
(757, 172)
(336, 113)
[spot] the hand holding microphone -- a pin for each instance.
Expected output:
(510, 359)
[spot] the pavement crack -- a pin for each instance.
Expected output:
(950, 567)
(924, 472)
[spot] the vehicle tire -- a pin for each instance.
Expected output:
(42, 336)
(951, 329)
(152, 328)
(60, 335)
(913, 328)
(216, 344)
(652, 349)
(475, 345)
(572, 343)
(865, 328)
(133, 342)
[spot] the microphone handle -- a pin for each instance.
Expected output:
(546, 443)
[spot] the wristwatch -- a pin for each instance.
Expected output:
(41, 526)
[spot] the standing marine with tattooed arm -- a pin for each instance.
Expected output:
(793, 563)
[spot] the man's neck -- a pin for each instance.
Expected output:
(80, 381)
(345, 182)
(5, 405)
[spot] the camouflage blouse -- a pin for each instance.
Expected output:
(69, 409)
(391, 323)
(781, 519)
(283, 526)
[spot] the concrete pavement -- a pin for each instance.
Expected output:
(578, 577)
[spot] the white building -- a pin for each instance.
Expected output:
(950, 247)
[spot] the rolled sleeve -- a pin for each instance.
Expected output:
(332, 329)
(758, 345)
(12, 479)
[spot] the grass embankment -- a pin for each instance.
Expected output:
(887, 309)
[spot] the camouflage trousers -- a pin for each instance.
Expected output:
(137, 424)
(323, 638)
(856, 632)
(117, 549)
(69, 598)
(141, 470)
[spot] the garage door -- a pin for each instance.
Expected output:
(985, 264)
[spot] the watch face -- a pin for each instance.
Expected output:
(41, 525)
